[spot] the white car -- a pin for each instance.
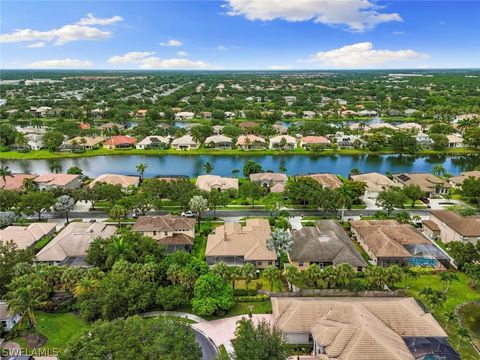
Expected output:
(189, 214)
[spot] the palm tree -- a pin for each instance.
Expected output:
(248, 273)
(282, 169)
(29, 184)
(141, 170)
(345, 274)
(235, 172)
(208, 167)
(345, 195)
(330, 275)
(463, 333)
(291, 273)
(313, 274)
(4, 172)
(393, 275)
(447, 277)
(410, 275)
(272, 274)
(85, 285)
(118, 212)
(439, 170)
(24, 300)
(55, 167)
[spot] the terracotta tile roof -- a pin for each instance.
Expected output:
(464, 225)
(327, 180)
(248, 124)
(458, 180)
(163, 223)
(86, 140)
(314, 140)
(242, 139)
(15, 182)
(426, 182)
(121, 140)
(176, 239)
(209, 182)
(115, 179)
(277, 188)
(56, 179)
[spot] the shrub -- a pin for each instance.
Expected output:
(171, 297)
(254, 298)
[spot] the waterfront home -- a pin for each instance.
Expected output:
(307, 142)
(84, 142)
(308, 114)
(423, 139)
(185, 142)
(184, 115)
(108, 127)
(430, 184)
(283, 142)
(15, 182)
(409, 126)
(215, 182)
(455, 141)
(8, 319)
(33, 135)
(249, 142)
(353, 328)
(324, 244)
(268, 180)
(219, 142)
(235, 244)
(124, 181)
(375, 183)
(58, 181)
(454, 227)
(25, 236)
(348, 141)
(280, 129)
(175, 232)
(41, 112)
(327, 180)
(153, 142)
(361, 126)
(389, 242)
(120, 142)
(382, 125)
(70, 246)
(457, 181)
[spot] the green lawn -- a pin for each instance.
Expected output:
(470, 315)
(458, 293)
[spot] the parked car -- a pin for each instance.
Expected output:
(189, 214)
(425, 200)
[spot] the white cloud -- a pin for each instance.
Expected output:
(90, 19)
(172, 42)
(363, 55)
(182, 53)
(130, 57)
(356, 15)
(157, 63)
(61, 64)
(280, 67)
(37, 45)
(222, 48)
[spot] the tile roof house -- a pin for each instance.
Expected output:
(308, 114)
(458, 180)
(247, 142)
(60, 181)
(359, 328)
(454, 227)
(7, 319)
(209, 182)
(120, 142)
(389, 242)
(428, 183)
(235, 244)
(376, 183)
(185, 142)
(15, 182)
(110, 126)
(410, 126)
(125, 181)
(70, 246)
(184, 115)
(175, 232)
(327, 180)
(84, 142)
(269, 179)
(153, 142)
(455, 140)
(324, 244)
(246, 125)
(276, 142)
(219, 142)
(308, 141)
(26, 236)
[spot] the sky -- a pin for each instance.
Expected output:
(239, 34)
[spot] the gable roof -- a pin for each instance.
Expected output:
(326, 180)
(242, 139)
(268, 177)
(209, 182)
(14, 182)
(115, 179)
(120, 140)
(26, 236)
(163, 223)
(56, 179)
(314, 140)
(289, 139)
(458, 180)
(218, 139)
(375, 182)
(427, 182)
(464, 225)
(249, 241)
(184, 140)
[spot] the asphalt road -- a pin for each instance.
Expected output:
(209, 352)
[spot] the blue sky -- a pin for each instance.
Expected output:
(240, 34)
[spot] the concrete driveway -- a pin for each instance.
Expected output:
(221, 331)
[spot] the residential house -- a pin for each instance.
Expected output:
(381, 125)
(229, 115)
(375, 183)
(153, 142)
(141, 114)
(8, 319)
(33, 135)
(308, 142)
(308, 114)
(84, 142)
(348, 141)
(25, 236)
(248, 126)
(207, 114)
(58, 181)
(219, 142)
(269, 180)
(215, 182)
(389, 242)
(290, 99)
(283, 142)
(454, 227)
(423, 139)
(455, 141)
(354, 328)
(184, 115)
(109, 127)
(70, 246)
(457, 181)
(288, 114)
(430, 185)
(280, 129)
(410, 112)
(249, 142)
(175, 232)
(324, 244)
(120, 142)
(185, 142)
(361, 126)
(367, 113)
(218, 129)
(97, 113)
(327, 180)
(234, 244)
(15, 182)
(125, 181)
(409, 126)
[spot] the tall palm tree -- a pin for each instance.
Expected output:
(330, 276)
(439, 170)
(4, 172)
(235, 172)
(29, 184)
(55, 167)
(208, 167)
(141, 170)
(24, 300)
(345, 195)
(313, 275)
(291, 273)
